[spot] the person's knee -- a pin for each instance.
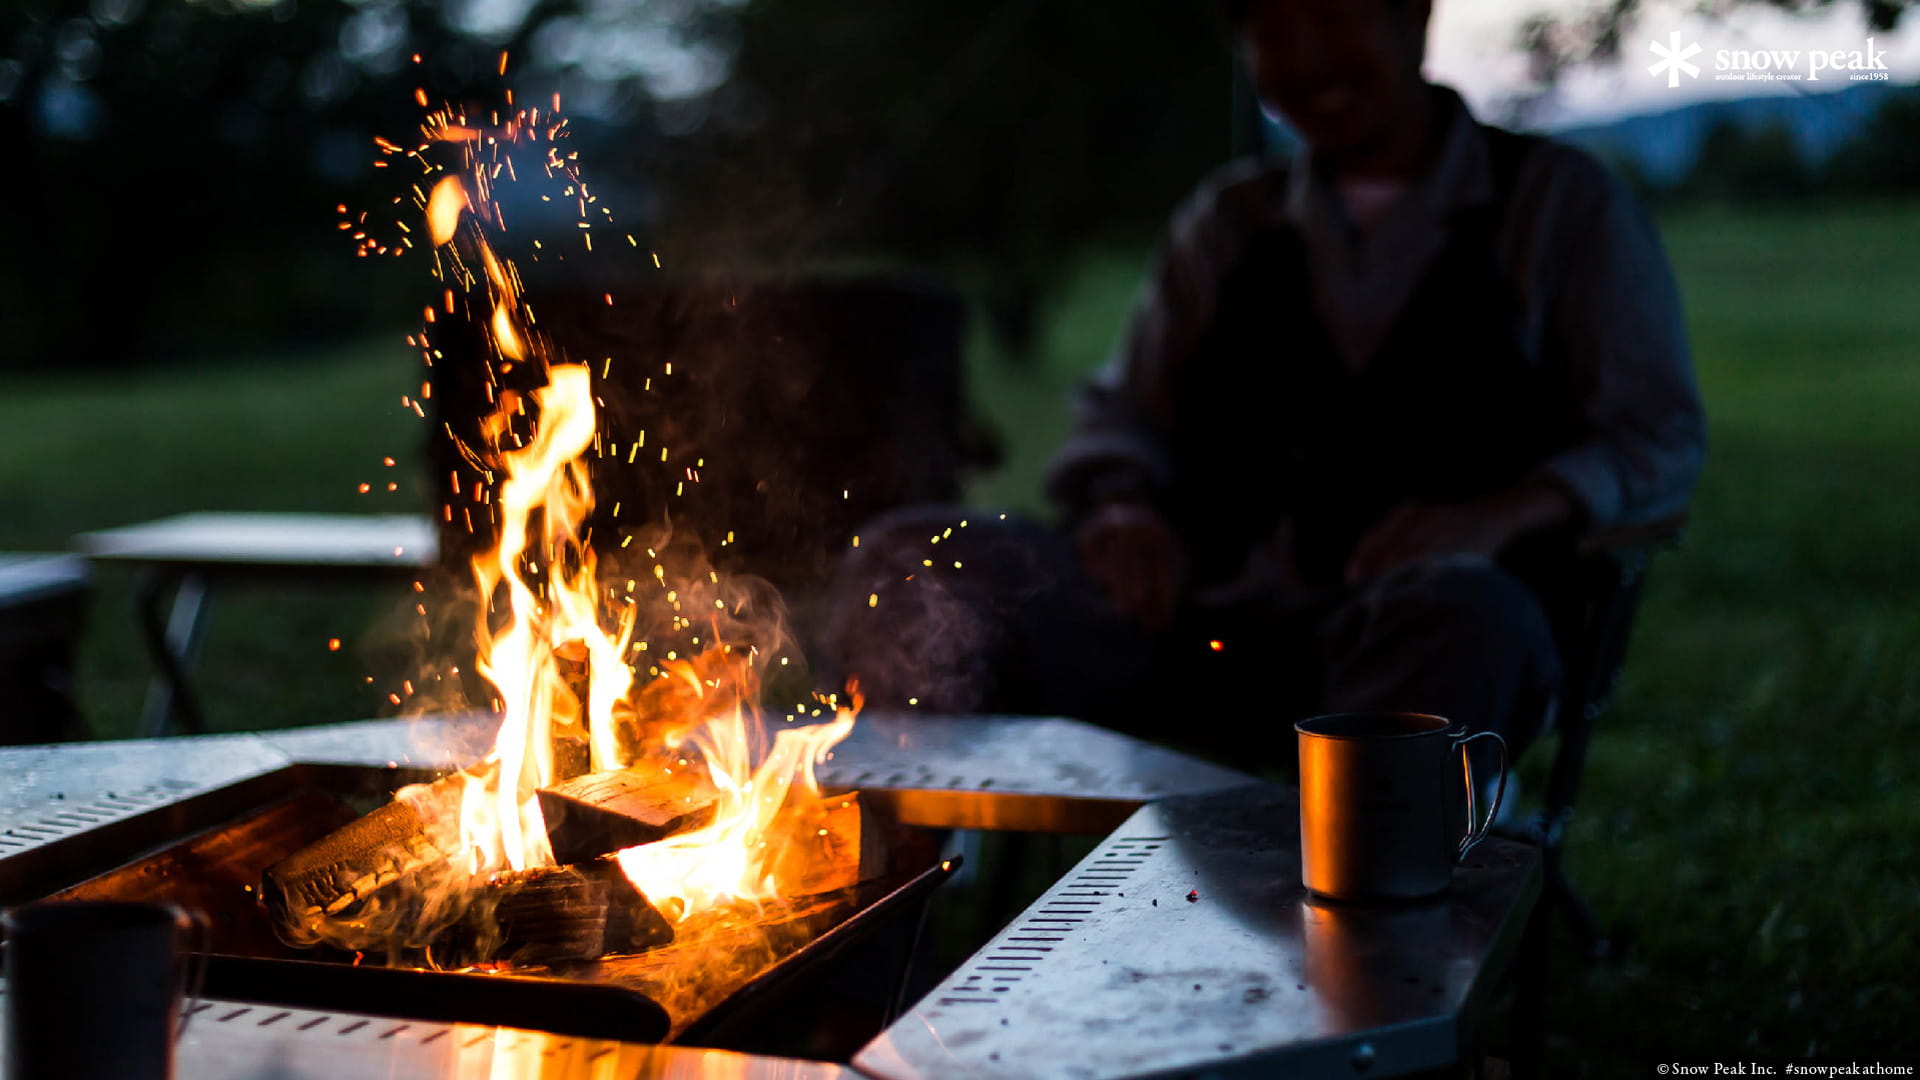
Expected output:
(1468, 641)
(1478, 600)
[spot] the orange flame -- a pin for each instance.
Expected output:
(697, 712)
(545, 479)
(735, 858)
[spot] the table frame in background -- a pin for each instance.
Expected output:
(43, 609)
(182, 559)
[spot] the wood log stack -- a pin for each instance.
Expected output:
(394, 865)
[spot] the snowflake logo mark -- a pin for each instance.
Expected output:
(1673, 59)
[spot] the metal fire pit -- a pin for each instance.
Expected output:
(214, 872)
(1114, 972)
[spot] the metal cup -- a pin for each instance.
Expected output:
(1374, 821)
(94, 989)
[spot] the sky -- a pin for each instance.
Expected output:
(1471, 47)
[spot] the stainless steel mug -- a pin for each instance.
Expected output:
(1374, 820)
(94, 989)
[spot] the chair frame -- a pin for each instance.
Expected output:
(1610, 573)
(1610, 570)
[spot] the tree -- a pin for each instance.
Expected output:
(1884, 158)
(1736, 164)
(1002, 138)
(175, 166)
(182, 160)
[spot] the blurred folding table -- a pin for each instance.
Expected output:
(181, 558)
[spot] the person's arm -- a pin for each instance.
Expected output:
(1615, 321)
(1116, 449)
(1618, 321)
(1413, 532)
(1113, 468)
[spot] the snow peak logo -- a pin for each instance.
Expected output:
(1769, 65)
(1673, 59)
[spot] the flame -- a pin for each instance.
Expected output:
(556, 643)
(545, 488)
(444, 207)
(732, 860)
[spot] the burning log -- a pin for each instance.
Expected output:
(838, 843)
(553, 915)
(633, 923)
(600, 813)
(397, 858)
(418, 829)
(541, 916)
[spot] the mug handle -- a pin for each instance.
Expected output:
(1477, 834)
(194, 925)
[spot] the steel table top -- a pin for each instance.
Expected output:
(1185, 943)
(286, 544)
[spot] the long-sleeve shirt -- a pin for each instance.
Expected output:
(1595, 289)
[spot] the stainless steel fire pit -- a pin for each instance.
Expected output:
(1183, 943)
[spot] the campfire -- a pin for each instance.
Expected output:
(633, 802)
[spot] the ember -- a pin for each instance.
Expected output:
(614, 810)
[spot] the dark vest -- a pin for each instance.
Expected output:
(1271, 422)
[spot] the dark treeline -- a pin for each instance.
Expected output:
(173, 167)
(1765, 163)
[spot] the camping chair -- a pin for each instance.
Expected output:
(1593, 619)
(1592, 623)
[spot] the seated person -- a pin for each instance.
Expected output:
(1366, 400)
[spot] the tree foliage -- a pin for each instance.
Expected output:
(182, 159)
(176, 167)
(999, 136)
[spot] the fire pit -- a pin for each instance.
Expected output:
(195, 820)
(1283, 983)
(638, 996)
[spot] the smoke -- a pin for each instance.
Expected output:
(937, 608)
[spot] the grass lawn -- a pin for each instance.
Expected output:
(1750, 809)
(294, 432)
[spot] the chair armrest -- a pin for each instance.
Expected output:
(1634, 541)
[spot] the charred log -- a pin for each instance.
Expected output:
(420, 828)
(553, 915)
(599, 813)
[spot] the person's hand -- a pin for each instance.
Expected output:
(1130, 552)
(1415, 532)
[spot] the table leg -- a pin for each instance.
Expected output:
(172, 640)
(1533, 984)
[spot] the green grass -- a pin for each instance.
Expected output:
(298, 431)
(1750, 807)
